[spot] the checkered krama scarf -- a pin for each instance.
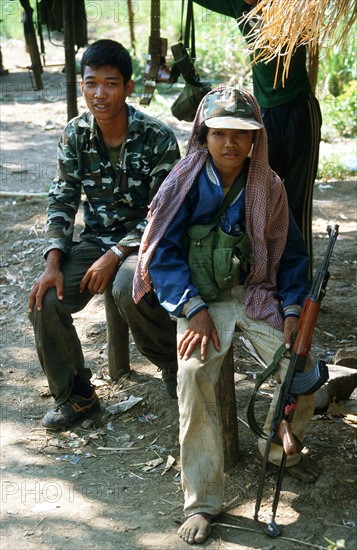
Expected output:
(266, 221)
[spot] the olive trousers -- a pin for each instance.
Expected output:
(58, 345)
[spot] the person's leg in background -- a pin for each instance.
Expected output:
(294, 134)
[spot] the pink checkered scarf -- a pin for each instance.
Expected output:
(266, 221)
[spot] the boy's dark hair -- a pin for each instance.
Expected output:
(201, 133)
(108, 52)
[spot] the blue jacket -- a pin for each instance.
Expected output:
(170, 273)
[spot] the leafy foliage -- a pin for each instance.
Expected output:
(340, 111)
(221, 52)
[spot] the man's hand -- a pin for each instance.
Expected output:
(290, 324)
(201, 329)
(51, 277)
(100, 273)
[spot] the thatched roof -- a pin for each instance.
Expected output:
(279, 26)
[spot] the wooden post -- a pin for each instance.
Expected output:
(227, 398)
(117, 338)
(31, 42)
(131, 24)
(70, 61)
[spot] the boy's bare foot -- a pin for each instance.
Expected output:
(306, 470)
(196, 528)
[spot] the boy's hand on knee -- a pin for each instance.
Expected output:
(290, 324)
(201, 329)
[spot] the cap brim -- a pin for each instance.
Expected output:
(233, 123)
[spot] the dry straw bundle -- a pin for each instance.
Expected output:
(279, 27)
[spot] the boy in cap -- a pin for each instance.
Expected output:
(291, 115)
(227, 156)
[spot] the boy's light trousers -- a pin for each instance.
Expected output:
(200, 431)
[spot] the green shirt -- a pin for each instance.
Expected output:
(263, 74)
(115, 201)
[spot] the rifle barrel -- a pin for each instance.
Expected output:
(322, 274)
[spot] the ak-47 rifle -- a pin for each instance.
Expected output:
(156, 70)
(296, 382)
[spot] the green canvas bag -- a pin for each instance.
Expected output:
(214, 257)
(186, 104)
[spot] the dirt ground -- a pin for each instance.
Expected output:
(114, 481)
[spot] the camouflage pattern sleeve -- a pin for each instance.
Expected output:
(158, 155)
(64, 196)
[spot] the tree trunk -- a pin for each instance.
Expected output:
(70, 61)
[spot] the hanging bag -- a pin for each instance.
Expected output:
(186, 104)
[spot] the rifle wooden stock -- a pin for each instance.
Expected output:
(287, 438)
(156, 69)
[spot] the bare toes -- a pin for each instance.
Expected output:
(195, 529)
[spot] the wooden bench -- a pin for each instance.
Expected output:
(119, 364)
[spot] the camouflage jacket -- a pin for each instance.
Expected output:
(115, 202)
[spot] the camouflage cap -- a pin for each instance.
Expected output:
(228, 108)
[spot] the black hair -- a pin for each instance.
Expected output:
(201, 133)
(108, 52)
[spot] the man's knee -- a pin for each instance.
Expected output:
(49, 301)
(122, 287)
(122, 292)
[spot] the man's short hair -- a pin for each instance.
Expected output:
(108, 52)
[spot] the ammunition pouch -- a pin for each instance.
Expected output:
(215, 259)
(183, 63)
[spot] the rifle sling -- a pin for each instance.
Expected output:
(233, 192)
(261, 378)
(189, 40)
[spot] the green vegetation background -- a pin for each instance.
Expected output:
(221, 55)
